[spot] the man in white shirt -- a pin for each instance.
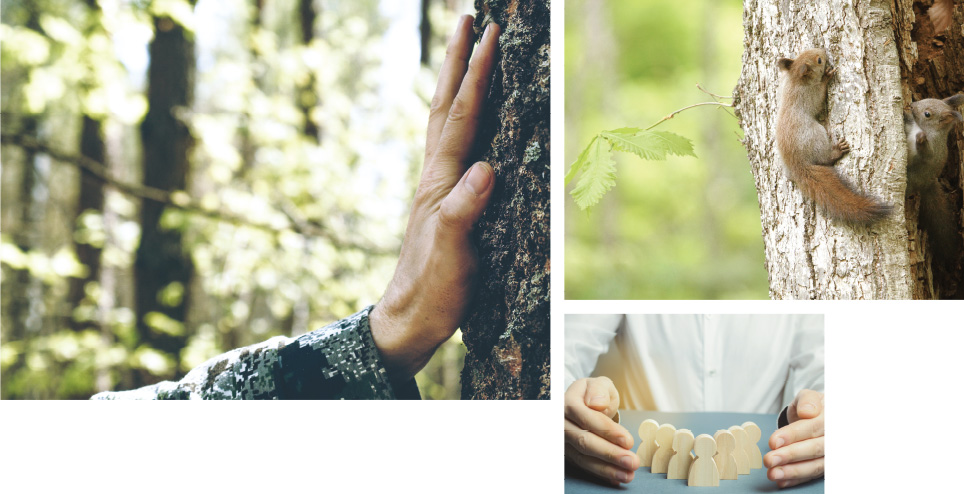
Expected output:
(735, 363)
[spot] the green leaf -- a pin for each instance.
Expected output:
(650, 145)
(599, 175)
(580, 162)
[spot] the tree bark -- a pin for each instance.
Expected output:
(507, 334)
(807, 255)
(160, 258)
(932, 66)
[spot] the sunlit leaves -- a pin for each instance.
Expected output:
(161, 323)
(597, 170)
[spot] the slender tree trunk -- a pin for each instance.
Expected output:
(931, 66)
(161, 259)
(807, 255)
(425, 32)
(507, 334)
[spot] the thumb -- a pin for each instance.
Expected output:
(809, 404)
(462, 207)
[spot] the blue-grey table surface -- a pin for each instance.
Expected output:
(699, 423)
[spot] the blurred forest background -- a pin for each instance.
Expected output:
(185, 177)
(684, 228)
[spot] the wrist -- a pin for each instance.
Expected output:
(403, 350)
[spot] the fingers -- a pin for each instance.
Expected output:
(590, 443)
(601, 395)
(800, 471)
(449, 79)
(465, 202)
(598, 467)
(808, 403)
(458, 133)
(792, 453)
(800, 430)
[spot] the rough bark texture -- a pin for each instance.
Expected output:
(932, 66)
(160, 258)
(507, 335)
(809, 256)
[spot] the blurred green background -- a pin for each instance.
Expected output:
(317, 133)
(684, 228)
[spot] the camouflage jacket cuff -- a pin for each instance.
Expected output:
(339, 361)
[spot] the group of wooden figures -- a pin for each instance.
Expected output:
(725, 455)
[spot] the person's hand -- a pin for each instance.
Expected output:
(594, 441)
(797, 449)
(429, 294)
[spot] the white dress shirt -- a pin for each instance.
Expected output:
(692, 363)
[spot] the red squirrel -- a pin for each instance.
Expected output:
(806, 145)
(927, 125)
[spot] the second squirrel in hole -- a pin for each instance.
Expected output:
(927, 125)
(806, 146)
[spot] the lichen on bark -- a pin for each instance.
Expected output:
(507, 333)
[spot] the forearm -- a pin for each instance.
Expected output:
(339, 361)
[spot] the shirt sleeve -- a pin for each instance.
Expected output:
(339, 361)
(587, 337)
(806, 361)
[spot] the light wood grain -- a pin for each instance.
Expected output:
(664, 438)
(742, 459)
(752, 447)
(725, 460)
(647, 442)
(679, 464)
(704, 472)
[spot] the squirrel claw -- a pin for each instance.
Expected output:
(843, 146)
(830, 73)
(921, 138)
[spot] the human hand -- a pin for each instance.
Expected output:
(594, 441)
(429, 294)
(797, 449)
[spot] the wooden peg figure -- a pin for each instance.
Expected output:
(647, 442)
(725, 460)
(753, 445)
(679, 464)
(704, 472)
(664, 439)
(742, 459)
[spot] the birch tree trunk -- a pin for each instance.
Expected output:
(507, 334)
(809, 256)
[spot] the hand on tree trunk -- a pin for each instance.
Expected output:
(428, 297)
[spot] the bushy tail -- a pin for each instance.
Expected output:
(937, 218)
(836, 197)
(941, 14)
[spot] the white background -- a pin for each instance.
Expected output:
(894, 421)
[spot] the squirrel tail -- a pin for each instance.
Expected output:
(937, 218)
(837, 198)
(941, 14)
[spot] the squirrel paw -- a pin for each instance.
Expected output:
(841, 147)
(921, 138)
(828, 74)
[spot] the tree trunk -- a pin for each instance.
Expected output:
(931, 66)
(809, 256)
(507, 334)
(161, 259)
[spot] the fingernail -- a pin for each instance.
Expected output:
(597, 400)
(626, 462)
(780, 442)
(478, 181)
(775, 460)
(808, 407)
(622, 476)
(488, 29)
(778, 474)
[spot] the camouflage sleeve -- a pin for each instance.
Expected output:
(339, 361)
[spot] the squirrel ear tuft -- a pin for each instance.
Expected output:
(956, 100)
(784, 63)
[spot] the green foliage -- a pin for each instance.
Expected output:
(598, 170)
(348, 189)
(690, 227)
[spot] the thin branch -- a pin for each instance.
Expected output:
(671, 115)
(295, 222)
(698, 86)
